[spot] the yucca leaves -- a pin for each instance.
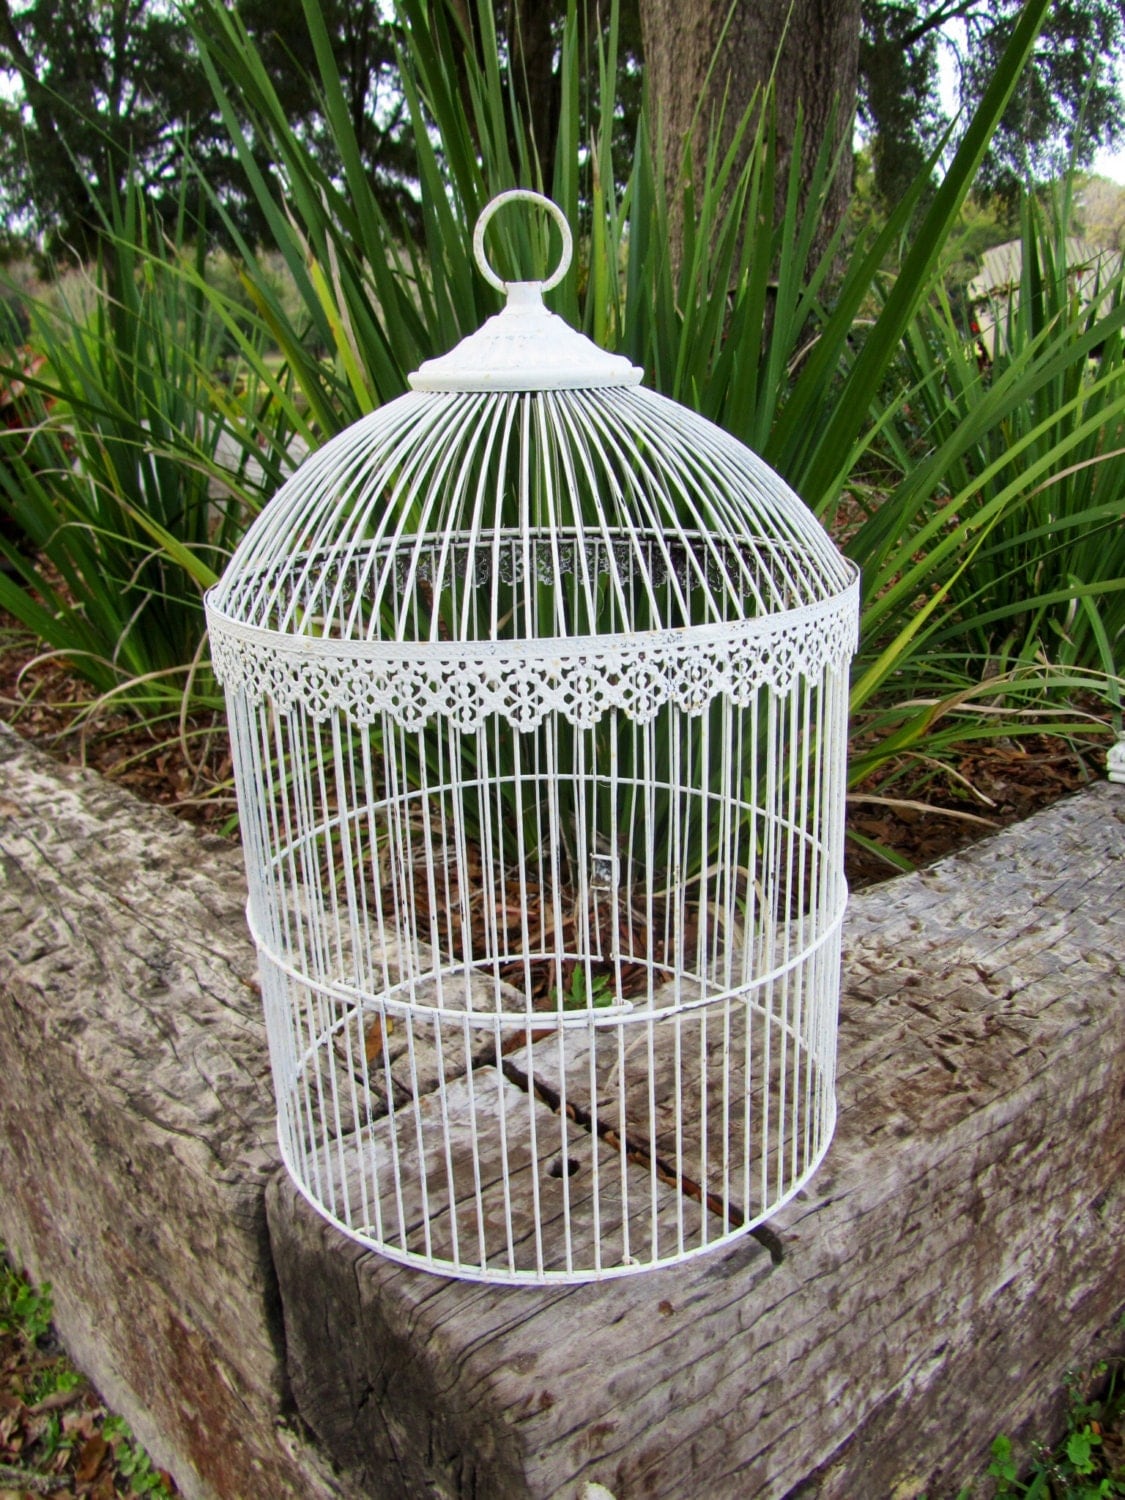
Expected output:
(121, 469)
(992, 548)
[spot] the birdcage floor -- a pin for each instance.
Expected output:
(534, 1194)
(521, 1153)
(534, 1197)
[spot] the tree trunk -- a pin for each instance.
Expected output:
(537, 86)
(816, 71)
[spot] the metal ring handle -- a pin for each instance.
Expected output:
(522, 195)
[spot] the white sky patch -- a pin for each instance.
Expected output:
(1110, 164)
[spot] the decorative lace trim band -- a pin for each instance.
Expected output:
(525, 681)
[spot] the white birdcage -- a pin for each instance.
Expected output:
(537, 686)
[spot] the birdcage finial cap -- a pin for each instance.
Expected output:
(525, 347)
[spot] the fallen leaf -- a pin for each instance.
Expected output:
(374, 1038)
(91, 1458)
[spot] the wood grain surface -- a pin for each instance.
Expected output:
(962, 1245)
(136, 1123)
(960, 1248)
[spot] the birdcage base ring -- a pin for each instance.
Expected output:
(498, 1275)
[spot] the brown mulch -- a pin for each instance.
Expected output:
(185, 768)
(57, 1437)
(995, 783)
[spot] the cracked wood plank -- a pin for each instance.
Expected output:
(475, 1202)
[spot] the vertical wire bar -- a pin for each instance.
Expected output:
(792, 775)
(674, 883)
(394, 765)
(492, 873)
(532, 779)
(312, 963)
(451, 894)
(420, 1144)
(769, 934)
(820, 842)
(474, 1151)
(460, 807)
(301, 1016)
(702, 1016)
(499, 1005)
(454, 770)
(251, 757)
(837, 738)
(495, 783)
(730, 801)
(807, 832)
(445, 1143)
(701, 784)
(620, 877)
(370, 783)
(554, 839)
(648, 761)
(750, 949)
(350, 862)
(505, 1174)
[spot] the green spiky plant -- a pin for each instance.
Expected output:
(138, 452)
(994, 564)
(819, 383)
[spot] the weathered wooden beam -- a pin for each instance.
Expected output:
(962, 1245)
(136, 1123)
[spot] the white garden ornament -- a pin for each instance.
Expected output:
(537, 686)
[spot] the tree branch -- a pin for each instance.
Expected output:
(27, 1479)
(951, 10)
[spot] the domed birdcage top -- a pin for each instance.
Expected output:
(526, 490)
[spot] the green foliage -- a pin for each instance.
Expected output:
(794, 355)
(596, 991)
(1006, 512)
(133, 1463)
(131, 469)
(746, 331)
(1068, 101)
(92, 82)
(43, 1444)
(989, 601)
(102, 93)
(23, 1309)
(1079, 1466)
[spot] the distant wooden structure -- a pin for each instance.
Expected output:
(995, 290)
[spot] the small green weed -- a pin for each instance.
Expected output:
(578, 997)
(133, 1463)
(56, 1426)
(54, 1380)
(22, 1308)
(1082, 1465)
